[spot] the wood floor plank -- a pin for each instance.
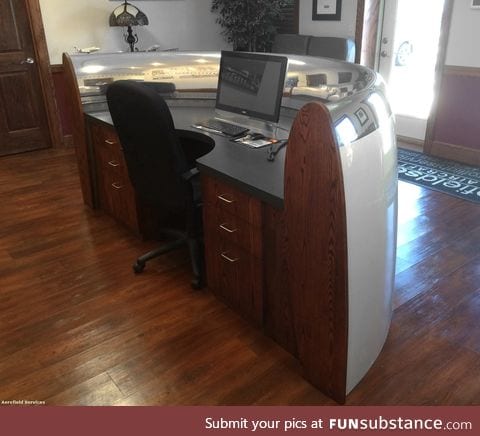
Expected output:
(98, 391)
(78, 327)
(423, 370)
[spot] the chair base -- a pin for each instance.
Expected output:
(195, 255)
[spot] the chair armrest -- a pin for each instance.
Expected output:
(191, 135)
(194, 145)
(190, 174)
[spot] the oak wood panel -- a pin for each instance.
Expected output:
(114, 190)
(278, 314)
(58, 77)
(115, 193)
(234, 262)
(235, 230)
(232, 200)
(84, 160)
(317, 249)
(163, 344)
(236, 280)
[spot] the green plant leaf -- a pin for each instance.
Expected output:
(248, 24)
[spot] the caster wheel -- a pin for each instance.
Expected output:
(138, 267)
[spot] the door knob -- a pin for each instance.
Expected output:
(385, 40)
(28, 61)
(384, 54)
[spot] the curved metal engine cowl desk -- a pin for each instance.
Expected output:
(304, 246)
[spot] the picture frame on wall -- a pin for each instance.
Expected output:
(327, 10)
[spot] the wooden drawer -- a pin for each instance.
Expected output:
(120, 198)
(115, 192)
(232, 229)
(235, 276)
(105, 136)
(233, 247)
(231, 200)
(111, 161)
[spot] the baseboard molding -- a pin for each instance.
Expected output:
(56, 68)
(417, 143)
(455, 152)
(457, 70)
(68, 140)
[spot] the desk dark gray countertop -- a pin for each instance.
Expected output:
(246, 168)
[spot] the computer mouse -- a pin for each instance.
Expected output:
(255, 136)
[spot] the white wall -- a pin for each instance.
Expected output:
(343, 29)
(462, 49)
(183, 24)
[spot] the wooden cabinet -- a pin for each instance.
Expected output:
(114, 190)
(233, 247)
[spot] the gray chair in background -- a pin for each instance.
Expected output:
(291, 44)
(320, 46)
(332, 47)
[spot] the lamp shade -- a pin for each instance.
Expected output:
(128, 15)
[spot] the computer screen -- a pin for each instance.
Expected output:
(251, 84)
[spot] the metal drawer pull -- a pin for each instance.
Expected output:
(113, 163)
(230, 259)
(224, 227)
(226, 200)
(117, 185)
(107, 141)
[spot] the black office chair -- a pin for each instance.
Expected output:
(161, 167)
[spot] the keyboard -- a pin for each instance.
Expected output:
(223, 127)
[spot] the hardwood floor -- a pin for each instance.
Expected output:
(78, 327)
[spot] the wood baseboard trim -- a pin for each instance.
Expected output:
(456, 70)
(418, 143)
(455, 152)
(56, 68)
(68, 140)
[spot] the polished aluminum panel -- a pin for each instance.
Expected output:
(343, 87)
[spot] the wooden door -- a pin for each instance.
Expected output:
(23, 119)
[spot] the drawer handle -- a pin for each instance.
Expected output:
(117, 185)
(224, 227)
(230, 259)
(113, 163)
(226, 200)
(107, 141)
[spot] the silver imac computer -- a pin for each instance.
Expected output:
(249, 84)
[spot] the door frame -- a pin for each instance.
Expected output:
(374, 20)
(439, 69)
(43, 64)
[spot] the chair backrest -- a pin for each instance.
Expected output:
(154, 157)
(332, 47)
(290, 44)
(322, 46)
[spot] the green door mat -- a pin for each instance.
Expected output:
(462, 181)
